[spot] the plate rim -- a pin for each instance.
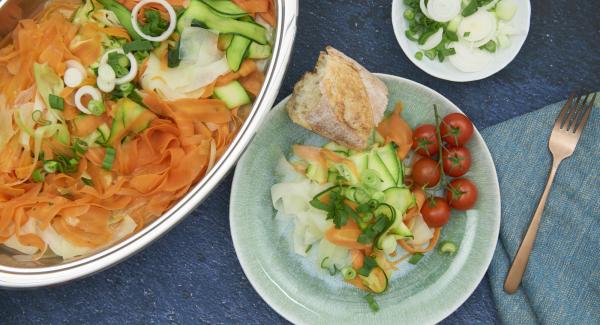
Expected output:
(458, 76)
(263, 291)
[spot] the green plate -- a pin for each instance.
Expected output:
(421, 294)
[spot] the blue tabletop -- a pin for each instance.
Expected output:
(192, 275)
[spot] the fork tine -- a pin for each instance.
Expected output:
(567, 120)
(559, 119)
(570, 126)
(588, 111)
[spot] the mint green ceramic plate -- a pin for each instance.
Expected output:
(421, 294)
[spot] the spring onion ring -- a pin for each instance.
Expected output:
(86, 90)
(172, 20)
(133, 68)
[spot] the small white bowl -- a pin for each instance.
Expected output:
(445, 70)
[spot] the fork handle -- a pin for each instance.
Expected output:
(517, 269)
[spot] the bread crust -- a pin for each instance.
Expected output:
(340, 100)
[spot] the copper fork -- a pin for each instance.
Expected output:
(563, 140)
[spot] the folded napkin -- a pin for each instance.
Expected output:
(562, 281)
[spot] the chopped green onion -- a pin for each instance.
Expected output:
(51, 166)
(87, 181)
(451, 36)
(411, 35)
(109, 158)
(173, 57)
(138, 45)
(372, 303)
(447, 247)
(80, 146)
(466, 34)
(126, 88)
(489, 46)
(325, 267)
(415, 258)
(348, 273)
(470, 9)
(38, 176)
(431, 54)
(119, 63)
(96, 107)
(419, 55)
(409, 14)
(56, 102)
(37, 117)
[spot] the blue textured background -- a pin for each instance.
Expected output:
(192, 275)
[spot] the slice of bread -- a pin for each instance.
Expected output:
(340, 100)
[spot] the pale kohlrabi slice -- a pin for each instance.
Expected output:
(477, 26)
(421, 232)
(14, 243)
(199, 45)
(443, 10)
(330, 255)
(185, 81)
(433, 40)
(202, 63)
(468, 58)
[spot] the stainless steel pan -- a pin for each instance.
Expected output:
(15, 274)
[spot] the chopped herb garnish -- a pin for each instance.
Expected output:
(337, 209)
(466, 34)
(138, 45)
(87, 181)
(56, 102)
(80, 147)
(368, 265)
(109, 158)
(154, 25)
(173, 59)
(348, 273)
(489, 46)
(96, 107)
(38, 176)
(415, 258)
(372, 303)
(118, 62)
(447, 247)
(51, 166)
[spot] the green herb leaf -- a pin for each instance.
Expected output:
(154, 25)
(368, 265)
(87, 181)
(38, 176)
(138, 45)
(173, 56)
(56, 102)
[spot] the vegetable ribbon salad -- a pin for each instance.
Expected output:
(111, 110)
(361, 213)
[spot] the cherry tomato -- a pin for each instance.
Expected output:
(426, 172)
(456, 161)
(456, 129)
(436, 212)
(461, 194)
(425, 140)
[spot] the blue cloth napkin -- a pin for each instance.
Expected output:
(562, 281)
